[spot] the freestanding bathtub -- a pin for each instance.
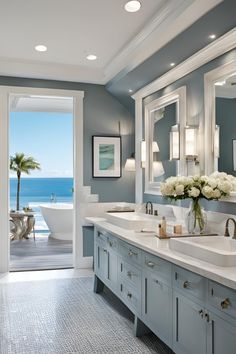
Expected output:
(59, 218)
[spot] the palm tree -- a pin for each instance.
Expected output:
(22, 164)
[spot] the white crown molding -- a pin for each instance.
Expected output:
(50, 71)
(173, 18)
(208, 53)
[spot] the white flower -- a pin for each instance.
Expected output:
(194, 192)
(179, 189)
(225, 187)
(212, 182)
(216, 194)
(207, 192)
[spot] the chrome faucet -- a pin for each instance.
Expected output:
(149, 210)
(227, 228)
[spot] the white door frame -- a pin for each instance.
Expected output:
(5, 92)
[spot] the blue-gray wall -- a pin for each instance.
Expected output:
(226, 119)
(195, 113)
(102, 112)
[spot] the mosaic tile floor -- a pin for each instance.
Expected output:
(64, 316)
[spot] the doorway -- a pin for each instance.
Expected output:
(41, 182)
(7, 94)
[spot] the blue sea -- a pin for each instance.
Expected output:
(39, 190)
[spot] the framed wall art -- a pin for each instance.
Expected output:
(106, 156)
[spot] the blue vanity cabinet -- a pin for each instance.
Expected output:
(157, 306)
(221, 335)
(189, 326)
(101, 256)
(157, 296)
(105, 262)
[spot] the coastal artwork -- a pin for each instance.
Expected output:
(106, 156)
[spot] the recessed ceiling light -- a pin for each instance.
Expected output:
(172, 64)
(132, 6)
(41, 48)
(212, 36)
(220, 83)
(91, 57)
(130, 91)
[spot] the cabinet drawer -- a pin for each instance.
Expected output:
(130, 296)
(190, 283)
(222, 298)
(101, 237)
(157, 265)
(129, 273)
(131, 253)
(112, 242)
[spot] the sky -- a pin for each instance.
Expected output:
(48, 137)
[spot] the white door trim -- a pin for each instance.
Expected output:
(5, 92)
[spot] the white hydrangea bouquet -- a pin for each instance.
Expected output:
(212, 187)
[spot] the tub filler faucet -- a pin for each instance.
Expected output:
(53, 198)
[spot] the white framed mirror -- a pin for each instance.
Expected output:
(165, 121)
(220, 120)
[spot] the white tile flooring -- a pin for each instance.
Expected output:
(44, 275)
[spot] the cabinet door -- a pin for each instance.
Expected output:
(101, 261)
(157, 306)
(112, 269)
(190, 326)
(221, 338)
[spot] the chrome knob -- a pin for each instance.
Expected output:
(129, 295)
(186, 284)
(150, 264)
(225, 303)
(201, 313)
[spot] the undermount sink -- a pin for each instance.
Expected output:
(133, 220)
(218, 250)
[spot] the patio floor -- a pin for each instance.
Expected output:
(43, 253)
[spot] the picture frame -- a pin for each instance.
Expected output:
(234, 154)
(106, 156)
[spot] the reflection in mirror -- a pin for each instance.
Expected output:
(163, 119)
(225, 120)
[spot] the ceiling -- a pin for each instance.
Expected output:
(72, 29)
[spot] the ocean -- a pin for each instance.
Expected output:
(39, 190)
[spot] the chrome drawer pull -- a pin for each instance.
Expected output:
(186, 284)
(132, 254)
(201, 313)
(156, 281)
(225, 303)
(130, 274)
(150, 264)
(129, 295)
(104, 250)
(111, 244)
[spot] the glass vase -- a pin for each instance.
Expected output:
(196, 218)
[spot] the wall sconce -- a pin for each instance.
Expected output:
(158, 169)
(130, 164)
(191, 136)
(217, 142)
(174, 143)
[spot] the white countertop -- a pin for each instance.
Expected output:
(152, 244)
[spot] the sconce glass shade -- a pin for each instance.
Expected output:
(217, 142)
(174, 143)
(130, 165)
(191, 135)
(155, 148)
(158, 169)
